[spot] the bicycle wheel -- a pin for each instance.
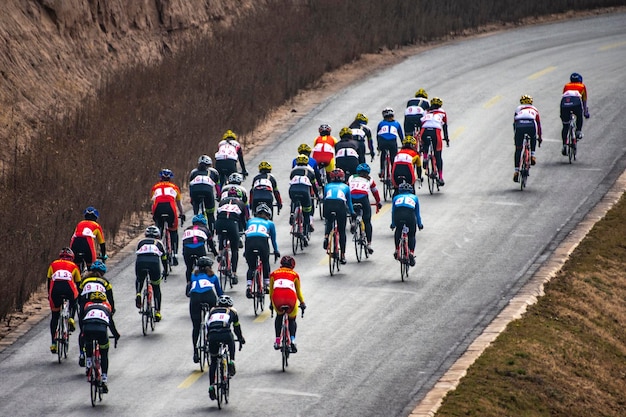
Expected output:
(357, 245)
(432, 177)
(331, 252)
(403, 258)
(523, 169)
(226, 388)
(94, 391)
(256, 293)
(152, 303)
(284, 347)
(144, 311)
(220, 381)
(261, 291)
(294, 237)
(363, 240)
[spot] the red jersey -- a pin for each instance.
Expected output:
(576, 87)
(64, 270)
(165, 192)
(285, 290)
(324, 149)
(91, 230)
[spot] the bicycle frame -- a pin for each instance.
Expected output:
(147, 304)
(333, 246)
(222, 376)
(94, 374)
(285, 338)
(258, 294)
(359, 238)
(202, 344)
(62, 335)
(297, 229)
(225, 263)
(402, 253)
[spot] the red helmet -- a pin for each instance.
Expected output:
(337, 175)
(288, 262)
(66, 253)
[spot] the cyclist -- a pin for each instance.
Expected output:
(229, 151)
(265, 189)
(285, 290)
(220, 319)
(232, 216)
(234, 181)
(387, 135)
(406, 163)
(362, 132)
(301, 187)
(405, 210)
(304, 149)
(92, 281)
(87, 233)
(361, 184)
(203, 287)
(260, 228)
(150, 255)
(434, 124)
(324, 148)
(97, 320)
(166, 200)
(202, 187)
(336, 197)
(347, 155)
(573, 100)
(525, 121)
(415, 109)
(215, 176)
(63, 278)
(195, 239)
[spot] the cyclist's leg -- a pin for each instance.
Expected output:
(251, 257)
(367, 220)
(578, 111)
(341, 225)
(233, 236)
(195, 201)
(565, 112)
(518, 138)
(103, 340)
(307, 208)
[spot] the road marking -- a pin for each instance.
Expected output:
(286, 391)
(611, 46)
(263, 316)
(506, 203)
(491, 102)
(541, 73)
(195, 375)
(457, 132)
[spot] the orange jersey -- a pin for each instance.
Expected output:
(324, 149)
(406, 156)
(285, 290)
(579, 87)
(91, 230)
(64, 270)
(165, 192)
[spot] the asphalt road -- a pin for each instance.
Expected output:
(369, 344)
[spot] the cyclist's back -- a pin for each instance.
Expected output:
(387, 134)
(347, 152)
(405, 210)
(415, 109)
(324, 148)
(573, 100)
(232, 215)
(360, 125)
(338, 200)
(229, 151)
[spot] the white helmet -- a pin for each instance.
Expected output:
(205, 159)
(235, 178)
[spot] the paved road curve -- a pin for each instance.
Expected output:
(370, 345)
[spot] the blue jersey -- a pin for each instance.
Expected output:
(389, 130)
(339, 191)
(259, 227)
(312, 164)
(408, 200)
(201, 283)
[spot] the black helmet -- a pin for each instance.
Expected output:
(205, 261)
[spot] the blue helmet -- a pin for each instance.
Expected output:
(98, 266)
(166, 174)
(363, 168)
(576, 78)
(91, 212)
(199, 218)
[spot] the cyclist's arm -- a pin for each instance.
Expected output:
(273, 236)
(240, 158)
(164, 253)
(112, 325)
(349, 201)
(417, 212)
(76, 275)
(298, 290)
(216, 283)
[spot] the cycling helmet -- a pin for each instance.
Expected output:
(363, 168)
(204, 262)
(405, 187)
(526, 99)
(288, 262)
(409, 140)
(324, 129)
(66, 253)
(388, 112)
(304, 149)
(235, 178)
(225, 301)
(153, 231)
(166, 174)
(436, 102)
(265, 166)
(302, 159)
(421, 93)
(235, 192)
(345, 131)
(205, 159)
(98, 266)
(91, 212)
(199, 218)
(263, 208)
(337, 175)
(576, 78)
(229, 134)
(361, 118)
(98, 297)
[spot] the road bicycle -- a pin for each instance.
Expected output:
(202, 344)
(223, 374)
(62, 333)
(358, 236)
(167, 242)
(299, 239)
(333, 246)
(430, 168)
(386, 168)
(225, 267)
(94, 374)
(571, 138)
(524, 162)
(285, 336)
(257, 290)
(148, 304)
(402, 253)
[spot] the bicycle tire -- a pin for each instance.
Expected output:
(220, 383)
(144, 312)
(255, 292)
(284, 346)
(294, 240)
(226, 388)
(404, 265)
(432, 176)
(261, 291)
(363, 239)
(59, 339)
(331, 252)
(152, 302)
(94, 392)
(357, 246)
(523, 167)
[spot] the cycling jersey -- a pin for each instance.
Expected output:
(260, 227)
(84, 239)
(389, 130)
(240, 187)
(314, 165)
(229, 149)
(265, 189)
(357, 127)
(257, 234)
(164, 196)
(347, 156)
(92, 278)
(404, 166)
(409, 201)
(415, 109)
(285, 290)
(63, 277)
(360, 187)
(202, 283)
(324, 151)
(338, 191)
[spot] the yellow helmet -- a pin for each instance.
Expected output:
(98, 296)
(421, 93)
(264, 165)
(345, 131)
(229, 134)
(361, 118)
(436, 101)
(526, 99)
(302, 159)
(409, 140)
(304, 148)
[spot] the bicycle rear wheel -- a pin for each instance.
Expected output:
(59, 338)
(94, 392)
(357, 246)
(284, 347)
(220, 383)
(404, 261)
(256, 293)
(432, 177)
(331, 252)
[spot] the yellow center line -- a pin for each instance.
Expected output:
(541, 73)
(195, 375)
(611, 46)
(264, 315)
(457, 132)
(491, 102)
